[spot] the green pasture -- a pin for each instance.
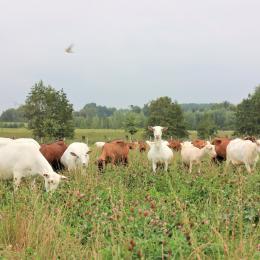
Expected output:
(132, 213)
(93, 135)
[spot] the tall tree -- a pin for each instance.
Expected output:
(206, 127)
(164, 112)
(248, 115)
(131, 123)
(49, 112)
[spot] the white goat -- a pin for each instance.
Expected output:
(99, 144)
(27, 141)
(18, 160)
(243, 152)
(76, 156)
(159, 151)
(150, 143)
(192, 155)
(4, 141)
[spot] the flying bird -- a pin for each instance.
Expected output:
(69, 49)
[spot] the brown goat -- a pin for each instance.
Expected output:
(132, 145)
(174, 144)
(115, 152)
(221, 148)
(142, 146)
(199, 143)
(53, 152)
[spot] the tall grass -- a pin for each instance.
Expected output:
(131, 213)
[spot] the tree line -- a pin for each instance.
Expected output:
(49, 113)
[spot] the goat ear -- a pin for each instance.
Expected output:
(62, 177)
(46, 175)
(216, 141)
(150, 128)
(73, 154)
(165, 129)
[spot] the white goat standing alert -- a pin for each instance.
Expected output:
(159, 151)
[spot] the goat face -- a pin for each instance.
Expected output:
(157, 131)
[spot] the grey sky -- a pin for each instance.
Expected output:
(130, 51)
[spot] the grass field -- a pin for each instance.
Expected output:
(92, 135)
(131, 213)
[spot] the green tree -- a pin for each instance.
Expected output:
(206, 127)
(13, 115)
(248, 115)
(223, 114)
(131, 123)
(49, 112)
(164, 112)
(135, 109)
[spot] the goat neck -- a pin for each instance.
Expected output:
(157, 143)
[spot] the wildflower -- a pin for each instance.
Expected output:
(131, 218)
(139, 253)
(152, 204)
(148, 197)
(205, 222)
(132, 245)
(132, 242)
(146, 213)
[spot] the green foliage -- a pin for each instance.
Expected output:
(248, 115)
(164, 112)
(93, 116)
(131, 123)
(13, 115)
(49, 112)
(206, 127)
(100, 117)
(136, 109)
(223, 114)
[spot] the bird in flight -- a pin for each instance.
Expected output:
(69, 49)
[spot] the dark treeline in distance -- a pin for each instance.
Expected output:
(51, 109)
(98, 117)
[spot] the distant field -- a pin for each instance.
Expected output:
(92, 135)
(15, 132)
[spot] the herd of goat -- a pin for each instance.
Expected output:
(25, 157)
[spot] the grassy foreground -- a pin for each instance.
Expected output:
(131, 213)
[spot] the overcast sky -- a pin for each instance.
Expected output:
(130, 51)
